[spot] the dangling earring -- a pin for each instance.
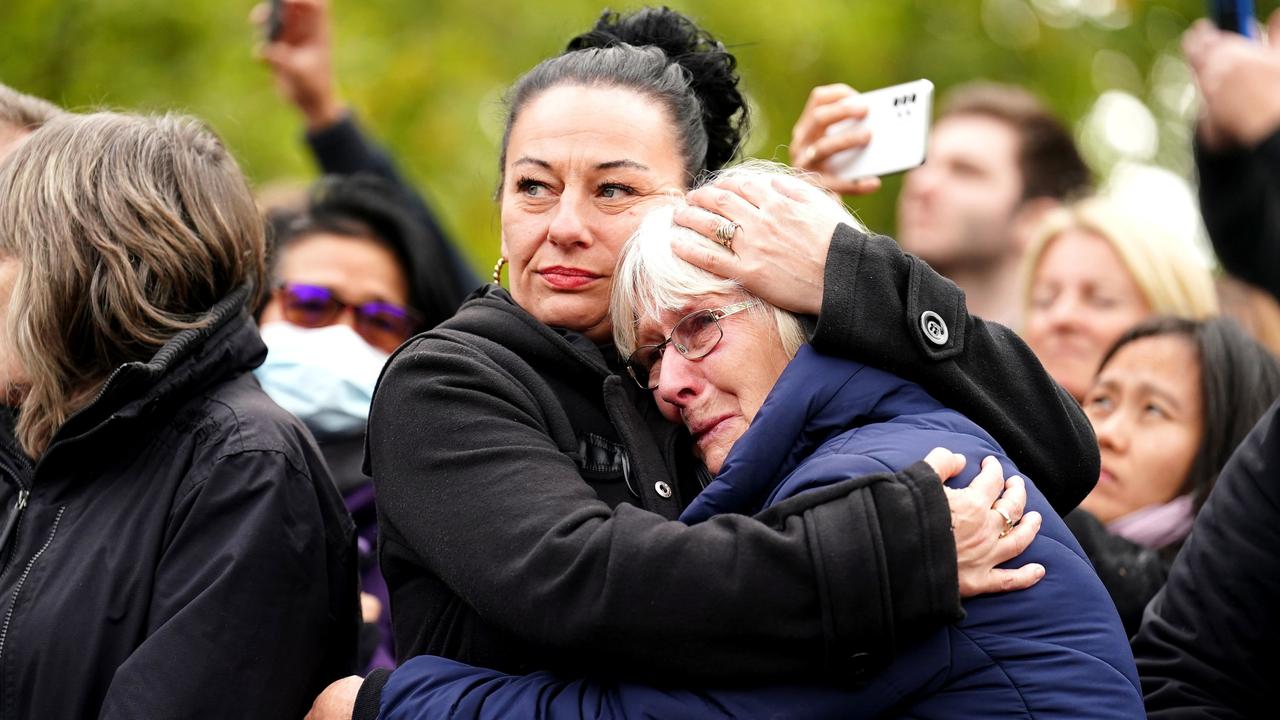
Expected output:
(497, 270)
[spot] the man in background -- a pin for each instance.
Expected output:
(997, 160)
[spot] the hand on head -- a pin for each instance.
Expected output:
(779, 249)
(301, 58)
(811, 146)
(1240, 81)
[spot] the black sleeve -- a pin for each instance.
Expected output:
(889, 309)
(1240, 201)
(1131, 573)
(468, 475)
(343, 149)
(242, 620)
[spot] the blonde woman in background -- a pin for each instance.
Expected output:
(1092, 272)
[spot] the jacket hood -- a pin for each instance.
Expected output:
(815, 398)
(226, 346)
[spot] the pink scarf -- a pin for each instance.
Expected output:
(1156, 526)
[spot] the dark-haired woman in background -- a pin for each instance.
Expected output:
(1170, 403)
(352, 276)
(525, 489)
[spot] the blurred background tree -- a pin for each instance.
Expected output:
(427, 77)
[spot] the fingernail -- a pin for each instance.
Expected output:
(988, 459)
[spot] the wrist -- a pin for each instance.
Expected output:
(324, 114)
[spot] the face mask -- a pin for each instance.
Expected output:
(325, 376)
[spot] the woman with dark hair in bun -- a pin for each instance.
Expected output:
(526, 490)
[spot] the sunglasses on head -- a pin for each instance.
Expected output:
(383, 325)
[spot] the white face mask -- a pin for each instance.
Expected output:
(325, 376)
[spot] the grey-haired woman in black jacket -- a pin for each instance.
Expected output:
(172, 545)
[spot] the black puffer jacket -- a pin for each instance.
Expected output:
(178, 552)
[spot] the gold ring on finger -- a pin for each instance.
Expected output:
(1008, 522)
(726, 231)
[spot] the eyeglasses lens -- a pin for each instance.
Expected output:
(310, 306)
(697, 334)
(384, 325)
(693, 337)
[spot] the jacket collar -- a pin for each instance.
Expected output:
(227, 345)
(816, 398)
(491, 312)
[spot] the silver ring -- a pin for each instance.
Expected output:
(726, 231)
(1008, 523)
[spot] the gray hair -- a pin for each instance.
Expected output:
(651, 279)
(128, 230)
(23, 112)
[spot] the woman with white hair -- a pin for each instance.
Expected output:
(773, 419)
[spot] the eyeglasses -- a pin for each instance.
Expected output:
(383, 325)
(694, 337)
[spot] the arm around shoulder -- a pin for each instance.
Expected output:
(467, 464)
(890, 310)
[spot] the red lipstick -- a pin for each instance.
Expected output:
(568, 278)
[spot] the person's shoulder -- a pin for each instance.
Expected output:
(237, 416)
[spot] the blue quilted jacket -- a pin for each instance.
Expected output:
(1056, 650)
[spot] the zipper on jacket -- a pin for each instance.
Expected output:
(17, 588)
(14, 519)
(11, 524)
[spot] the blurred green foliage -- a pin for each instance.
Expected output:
(427, 76)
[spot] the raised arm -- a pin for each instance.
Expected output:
(1238, 147)
(881, 306)
(301, 59)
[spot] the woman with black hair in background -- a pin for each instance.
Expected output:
(352, 277)
(525, 489)
(1172, 400)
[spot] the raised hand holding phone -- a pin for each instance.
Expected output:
(1239, 80)
(811, 144)
(300, 53)
(897, 120)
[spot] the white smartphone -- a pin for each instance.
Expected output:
(898, 118)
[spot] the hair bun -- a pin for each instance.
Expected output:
(712, 68)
